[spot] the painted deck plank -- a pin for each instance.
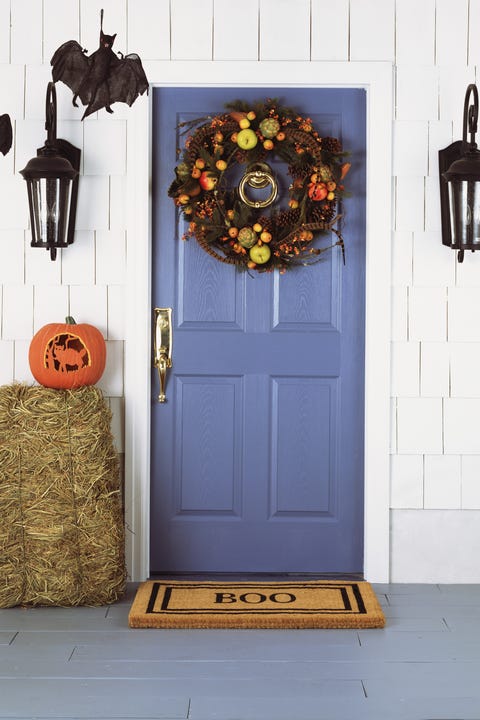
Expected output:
(88, 699)
(196, 645)
(59, 619)
(415, 624)
(429, 611)
(435, 601)
(455, 685)
(416, 589)
(242, 708)
(392, 646)
(185, 687)
(202, 676)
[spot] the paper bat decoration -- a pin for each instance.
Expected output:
(102, 78)
(6, 134)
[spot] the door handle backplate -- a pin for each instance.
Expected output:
(162, 347)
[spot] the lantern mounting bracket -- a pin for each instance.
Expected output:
(470, 116)
(51, 114)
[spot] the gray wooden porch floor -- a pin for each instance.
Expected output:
(86, 663)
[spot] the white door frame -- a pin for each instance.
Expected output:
(377, 80)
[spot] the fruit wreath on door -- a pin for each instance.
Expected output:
(242, 223)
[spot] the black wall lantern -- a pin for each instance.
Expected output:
(52, 185)
(459, 165)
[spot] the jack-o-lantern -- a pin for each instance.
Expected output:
(67, 355)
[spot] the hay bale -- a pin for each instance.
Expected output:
(61, 518)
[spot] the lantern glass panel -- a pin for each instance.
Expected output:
(464, 199)
(51, 207)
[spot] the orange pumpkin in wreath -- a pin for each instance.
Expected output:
(67, 355)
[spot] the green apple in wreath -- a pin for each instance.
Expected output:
(260, 254)
(247, 139)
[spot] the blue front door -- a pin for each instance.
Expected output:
(257, 455)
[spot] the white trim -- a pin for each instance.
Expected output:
(376, 78)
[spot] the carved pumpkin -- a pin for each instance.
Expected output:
(67, 355)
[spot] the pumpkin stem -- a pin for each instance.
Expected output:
(69, 320)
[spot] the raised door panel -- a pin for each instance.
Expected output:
(209, 295)
(310, 300)
(207, 481)
(304, 437)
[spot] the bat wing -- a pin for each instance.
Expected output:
(127, 80)
(6, 134)
(70, 64)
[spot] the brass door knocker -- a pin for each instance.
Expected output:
(257, 176)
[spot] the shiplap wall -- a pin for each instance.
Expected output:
(435, 470)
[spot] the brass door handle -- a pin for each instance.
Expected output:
(162, 347)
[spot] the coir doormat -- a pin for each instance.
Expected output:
(283, 605)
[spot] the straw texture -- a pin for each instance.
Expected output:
(61, 518)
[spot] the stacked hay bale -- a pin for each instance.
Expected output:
(61, 517)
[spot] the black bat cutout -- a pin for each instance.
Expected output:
(102, 78)
(6, 134)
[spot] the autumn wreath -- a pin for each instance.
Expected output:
(231, 223)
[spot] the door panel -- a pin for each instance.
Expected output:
(210, 417)
(299, 407)
(308, 300)
(257, 455)
(208, 296)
